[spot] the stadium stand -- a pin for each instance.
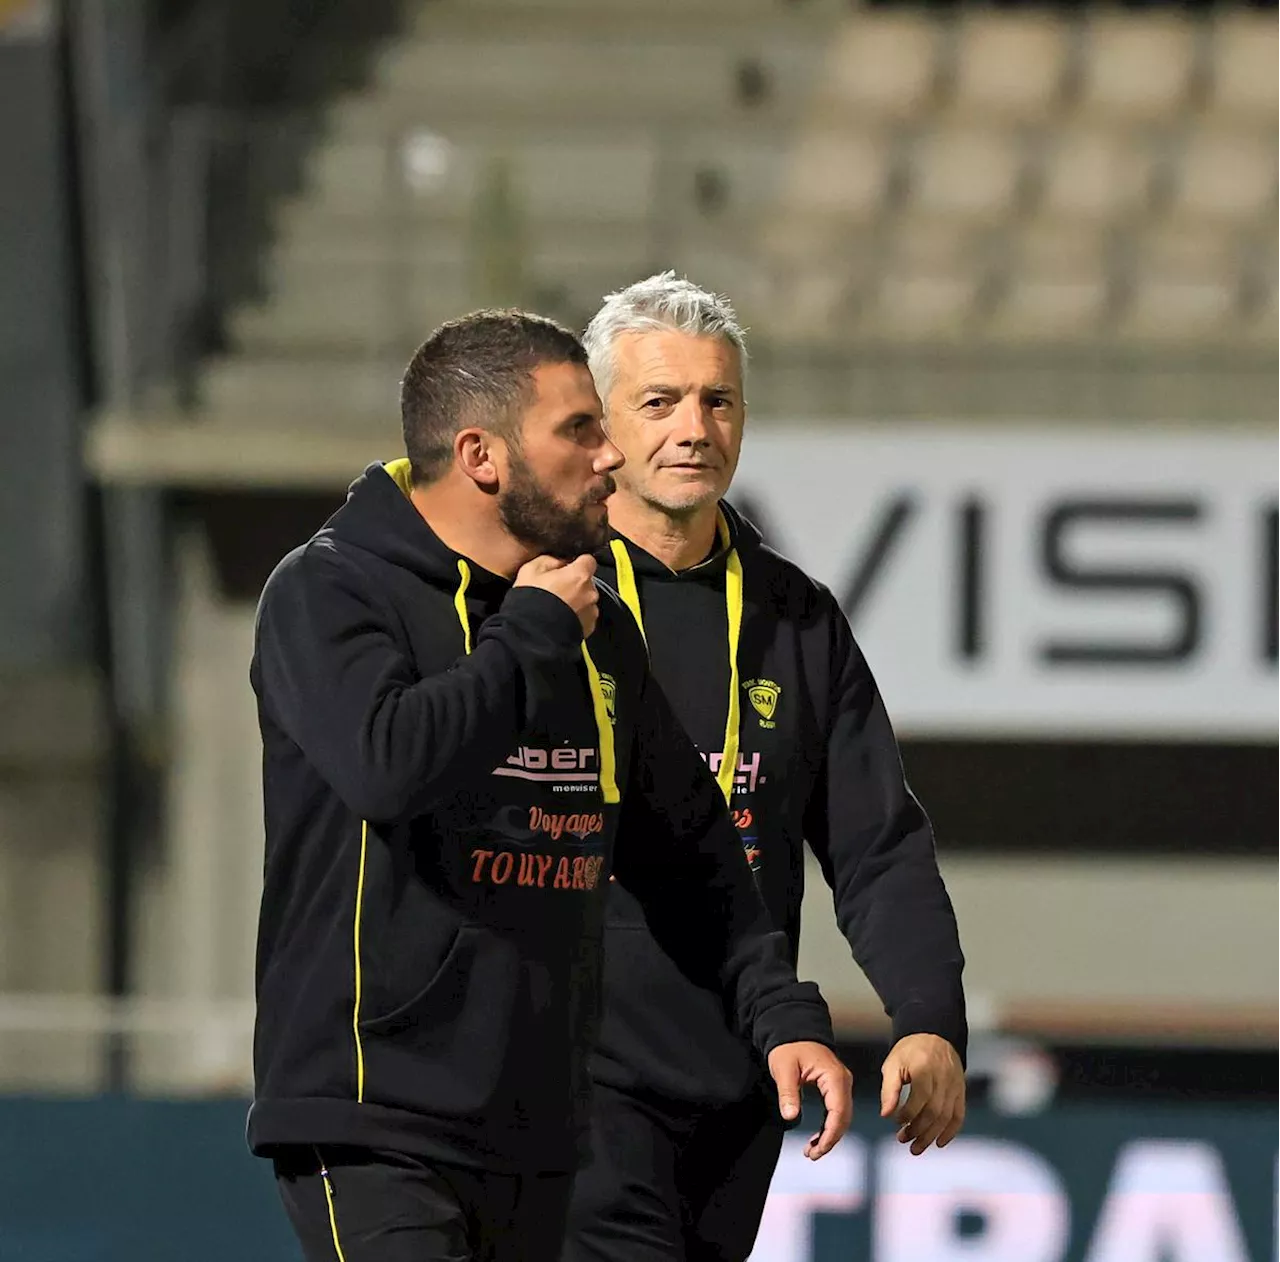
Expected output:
(1093, 189)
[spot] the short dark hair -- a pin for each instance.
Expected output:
(475, 371)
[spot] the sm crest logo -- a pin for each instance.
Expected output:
(609, 691)
(763, 695)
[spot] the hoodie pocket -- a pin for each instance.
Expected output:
(445, 994)
(443, 1051)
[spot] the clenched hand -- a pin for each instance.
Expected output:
(573, 581)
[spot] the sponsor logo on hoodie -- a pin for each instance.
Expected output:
(525, 827)
(541, 871)
(566, 768)
(747, 777)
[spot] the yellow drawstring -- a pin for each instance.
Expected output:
(460, 604)
(630, 594)
(627, 588)
(604, 729)
(608, 766)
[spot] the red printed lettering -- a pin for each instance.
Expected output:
(556, 823)
(527, 875)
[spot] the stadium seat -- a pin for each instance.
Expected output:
(1183, 284)
(1094, 173)
(1056, 287)
(966, 172)
(880, 66)
(1010, 66)
(930, 283)
(1243, 75)
(840, 172)
(1226, 175)
(811, 305)
(1136, 67)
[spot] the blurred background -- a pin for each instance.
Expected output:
(1010, 279)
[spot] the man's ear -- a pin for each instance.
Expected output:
(475, 452)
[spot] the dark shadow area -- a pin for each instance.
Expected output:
(260, 73)
(1096, 797)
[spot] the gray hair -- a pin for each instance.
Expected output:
(655, 304)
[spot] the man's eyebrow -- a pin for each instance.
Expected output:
(659, 387)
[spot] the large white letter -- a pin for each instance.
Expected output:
(1016, 1193)
(1168, 1200)
(801, 1188)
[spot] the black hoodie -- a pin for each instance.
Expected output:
(450, 778)
(817, 761)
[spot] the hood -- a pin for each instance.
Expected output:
(743, 536)
(379, 518)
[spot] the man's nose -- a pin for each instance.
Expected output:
(692, 427)
(608, 458)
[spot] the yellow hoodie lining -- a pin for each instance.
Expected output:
(399, 472)
(630, 594)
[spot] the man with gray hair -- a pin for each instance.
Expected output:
(764, 673)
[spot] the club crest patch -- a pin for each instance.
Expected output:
(609, 691)
(763, 695)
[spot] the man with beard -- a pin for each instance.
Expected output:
(766, 678)
(462, 748)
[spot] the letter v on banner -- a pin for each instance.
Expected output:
(867, 568)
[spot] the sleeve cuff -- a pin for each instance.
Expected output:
(545, 614)
(946, 1020)
(795, 1021)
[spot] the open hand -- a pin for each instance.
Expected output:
(934, 1108)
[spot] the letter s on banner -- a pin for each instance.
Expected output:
(1018, 1195)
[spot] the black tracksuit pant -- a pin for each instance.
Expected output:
(355, 1205)
(673, 1183)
